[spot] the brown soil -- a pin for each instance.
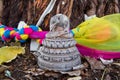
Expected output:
(25, 67)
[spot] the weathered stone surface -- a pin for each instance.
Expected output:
(59, 52)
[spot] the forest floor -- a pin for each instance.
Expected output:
(25, 67)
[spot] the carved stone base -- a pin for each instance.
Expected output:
(58, 58)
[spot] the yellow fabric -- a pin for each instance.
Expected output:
(24, 36)
(100, 33)
(1, 31)
(12, 32)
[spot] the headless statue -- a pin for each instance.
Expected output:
(59, 52)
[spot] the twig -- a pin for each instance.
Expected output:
(103, 73)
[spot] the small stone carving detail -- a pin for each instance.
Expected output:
(59, 52)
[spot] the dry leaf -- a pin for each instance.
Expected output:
(108, 77)
(35, 72)
(3, 67)
(73, 73)
(75, 78)
(9, 53)
(28, 77)
(53, 74)
(94, 63)
(118, 64)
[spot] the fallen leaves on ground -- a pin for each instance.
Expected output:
(27, 69)
(94, 63)
(35, 72)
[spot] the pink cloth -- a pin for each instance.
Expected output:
(38, 35)
(97, 53)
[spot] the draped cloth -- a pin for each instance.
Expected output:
(99, 35)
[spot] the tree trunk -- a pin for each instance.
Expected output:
(31, 10)
(1, 7)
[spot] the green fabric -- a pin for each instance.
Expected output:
(99, 33)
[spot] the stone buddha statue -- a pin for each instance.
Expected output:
(59, 52)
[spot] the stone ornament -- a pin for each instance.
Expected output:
(58, 52)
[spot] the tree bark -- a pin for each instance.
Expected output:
(31, 10)
(1, 9)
